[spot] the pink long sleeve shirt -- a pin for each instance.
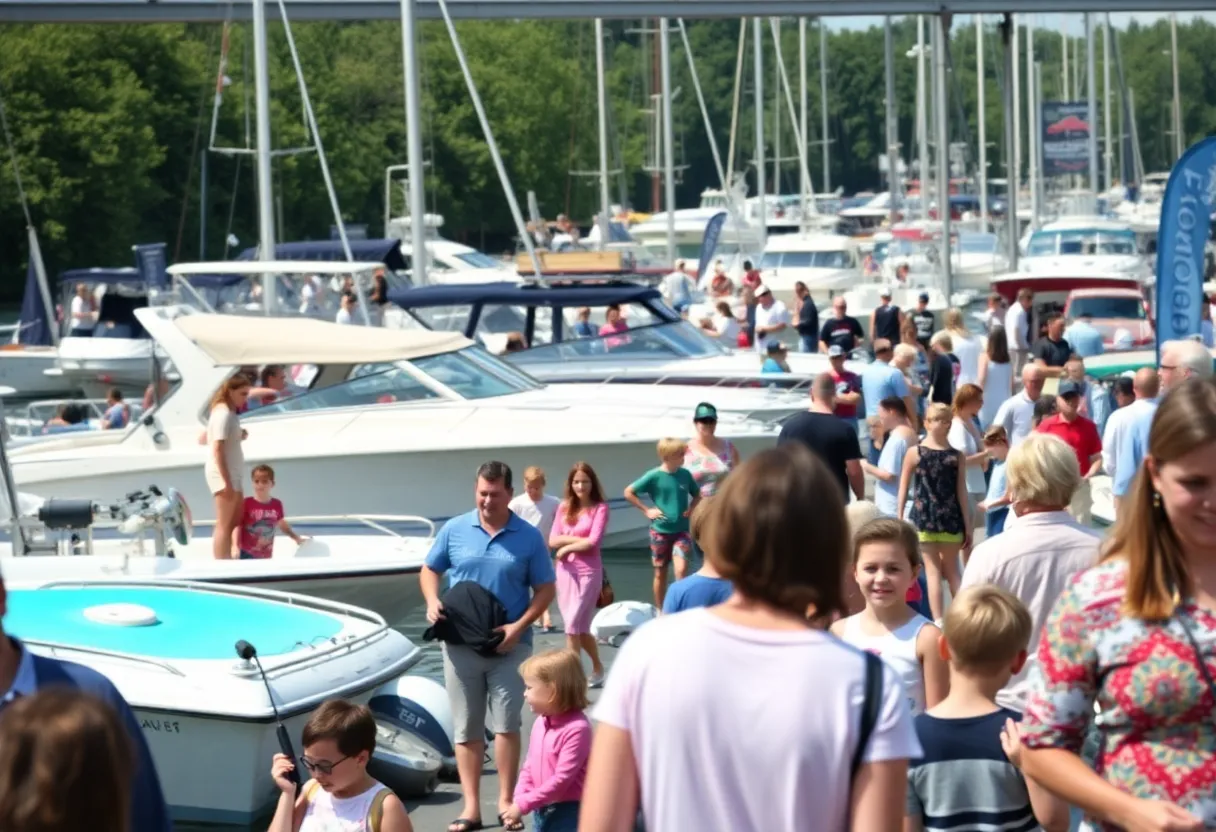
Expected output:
(556, 767)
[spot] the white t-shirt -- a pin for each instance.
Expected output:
(727, 329)
(1016, 416)
(775, 314)
(967, 350)
(82, 314)
(540, 514)
(343, 317)
(1015, 327)
(737, 728)
(964, 440)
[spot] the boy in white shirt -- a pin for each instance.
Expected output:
(539, 509)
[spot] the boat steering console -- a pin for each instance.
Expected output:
(165, 514)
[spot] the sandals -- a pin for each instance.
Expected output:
(465, 825)
(514, 826)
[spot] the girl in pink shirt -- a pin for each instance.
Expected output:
(551, 778)
(578, 531)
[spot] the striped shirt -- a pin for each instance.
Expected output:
(964, 781)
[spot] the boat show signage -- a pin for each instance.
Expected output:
(709, 243)
(1065, 137)
(1190, 197)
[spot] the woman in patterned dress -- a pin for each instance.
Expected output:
(1137, 635)
(708, 458)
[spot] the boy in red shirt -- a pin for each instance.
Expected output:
(261, 514)
(1082, 436)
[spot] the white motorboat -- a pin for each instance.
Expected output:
(388, 418)
(1087, 244)
(826, 263)
(739, 236)
(975, 257)
(208, 716)
(447, 260)
(659, 347)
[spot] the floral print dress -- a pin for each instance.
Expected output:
(935, 507)
(1158, 714)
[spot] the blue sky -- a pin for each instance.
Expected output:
(1054, 22)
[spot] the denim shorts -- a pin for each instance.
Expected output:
(557, 817)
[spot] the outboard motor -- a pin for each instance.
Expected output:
(413, 714)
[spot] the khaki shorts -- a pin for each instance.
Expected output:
(476, 683)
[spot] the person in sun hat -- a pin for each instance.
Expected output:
(23, 673)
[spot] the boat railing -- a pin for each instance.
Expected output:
(722, 381)
(371, 521)
(380, 627)
(109, 654)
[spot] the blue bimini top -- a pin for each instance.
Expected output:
(191, 623)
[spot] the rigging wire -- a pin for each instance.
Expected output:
(198, 131)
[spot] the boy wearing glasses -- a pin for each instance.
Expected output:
(338, 743)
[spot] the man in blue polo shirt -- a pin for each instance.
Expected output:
(23, 673)
(879, 380)
(508, 556)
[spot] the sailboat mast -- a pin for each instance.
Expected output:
(669, 177)
(601, 91)
(1106, 98)
(981, 118)
(1178, 142)
(804, 172)
(823, 105)
(1091, 85)
(922, 118)
(758, 69)
(265, 185)
(413, 147)
(892, 125)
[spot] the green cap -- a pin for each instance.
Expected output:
(705, 411)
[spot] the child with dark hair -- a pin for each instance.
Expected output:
(261, 514)
(338, 740)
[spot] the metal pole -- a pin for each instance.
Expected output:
(981, 117)
(1038, 125)
(922, 117)
(892, 125)
(261, 92)
(601, 89)
(413, 147)
(520, 228)
(784, 81)
(1106, 125)
(1014, 167)
(1009, 42)
(804, 185)
(202, 204)
(1065, 85)
(943, 144)
(734, 110)
(823, 105)
(696, 85)
(669, 159)
(1032, 107)
(1178, 143)
(1091, 92)
(758, 70)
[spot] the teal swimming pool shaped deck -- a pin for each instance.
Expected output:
(192, 624)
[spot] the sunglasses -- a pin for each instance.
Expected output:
(323, 766)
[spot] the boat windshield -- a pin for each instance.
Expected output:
(471, 373)
(1080, 241)
(977, 243)
(1128, 308)
(676, 339)
(806, 260)
(478, 260)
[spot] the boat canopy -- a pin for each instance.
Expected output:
(236, 340)
(387, 252)
(108, 275)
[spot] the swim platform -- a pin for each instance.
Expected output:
(191, 623)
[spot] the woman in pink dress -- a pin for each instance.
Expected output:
(577, 533)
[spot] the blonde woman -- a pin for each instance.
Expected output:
(225, 466)
(967, 347)
(966, 437)
(1134, 634)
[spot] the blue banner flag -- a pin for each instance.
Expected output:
(152, 264)
(709, 243)
(1185, 219)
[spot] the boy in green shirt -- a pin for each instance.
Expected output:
(674, 493)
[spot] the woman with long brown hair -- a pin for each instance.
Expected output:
(578, 531)
(659, 742)
(1135, 634)
(996, 376)
(66, 763)
(225, 466)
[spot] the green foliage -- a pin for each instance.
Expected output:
(109, 122)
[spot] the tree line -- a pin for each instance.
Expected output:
(109, 122)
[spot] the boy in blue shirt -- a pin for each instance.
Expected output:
(705, 587)
(965, 780)
(675, 494)
(996, 502)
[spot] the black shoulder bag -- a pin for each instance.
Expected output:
(869, 710)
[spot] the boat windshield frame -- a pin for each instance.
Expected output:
(1097, 236)
(598, 347)
(415, 380)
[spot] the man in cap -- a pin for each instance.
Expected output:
(1082, 436)
(772, 318)
(847, 386)
(923, 320)
(885, 319)
(840, 330)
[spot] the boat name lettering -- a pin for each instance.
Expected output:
(162, 726)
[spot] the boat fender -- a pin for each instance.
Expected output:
(613, 624)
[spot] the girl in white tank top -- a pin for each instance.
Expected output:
(885, 564)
